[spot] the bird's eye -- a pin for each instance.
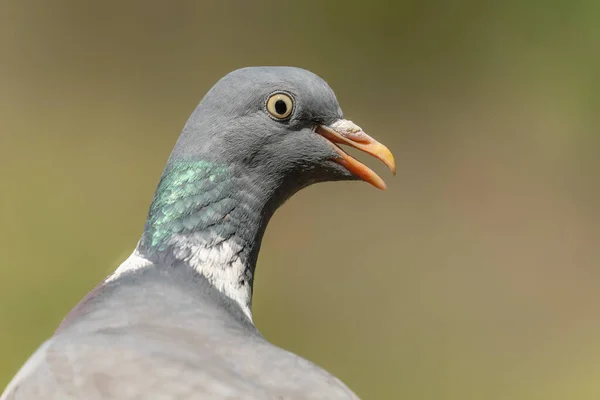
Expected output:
(280, 105)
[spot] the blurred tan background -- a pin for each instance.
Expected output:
(475, 276)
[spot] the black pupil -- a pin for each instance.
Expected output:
(280, 107)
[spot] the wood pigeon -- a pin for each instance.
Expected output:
(174, 321)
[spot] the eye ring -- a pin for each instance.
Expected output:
(280, 105)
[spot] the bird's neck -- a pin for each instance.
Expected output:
(205, 217)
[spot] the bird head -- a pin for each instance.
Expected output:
(282, 124)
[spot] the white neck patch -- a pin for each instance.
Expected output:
(220, 264)
(134, 262)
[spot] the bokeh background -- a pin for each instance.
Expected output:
(476, 275)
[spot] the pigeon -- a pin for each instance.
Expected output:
(174, 320)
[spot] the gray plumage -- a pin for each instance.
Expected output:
(167, 334)
(174, 321)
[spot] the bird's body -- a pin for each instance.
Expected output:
(176, 338)
(174, 321)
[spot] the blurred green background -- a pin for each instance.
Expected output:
(476, 275)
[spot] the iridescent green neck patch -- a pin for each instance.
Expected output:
(185, 198)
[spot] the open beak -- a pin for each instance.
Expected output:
(347, 132)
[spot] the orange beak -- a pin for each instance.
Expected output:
(347, 132)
